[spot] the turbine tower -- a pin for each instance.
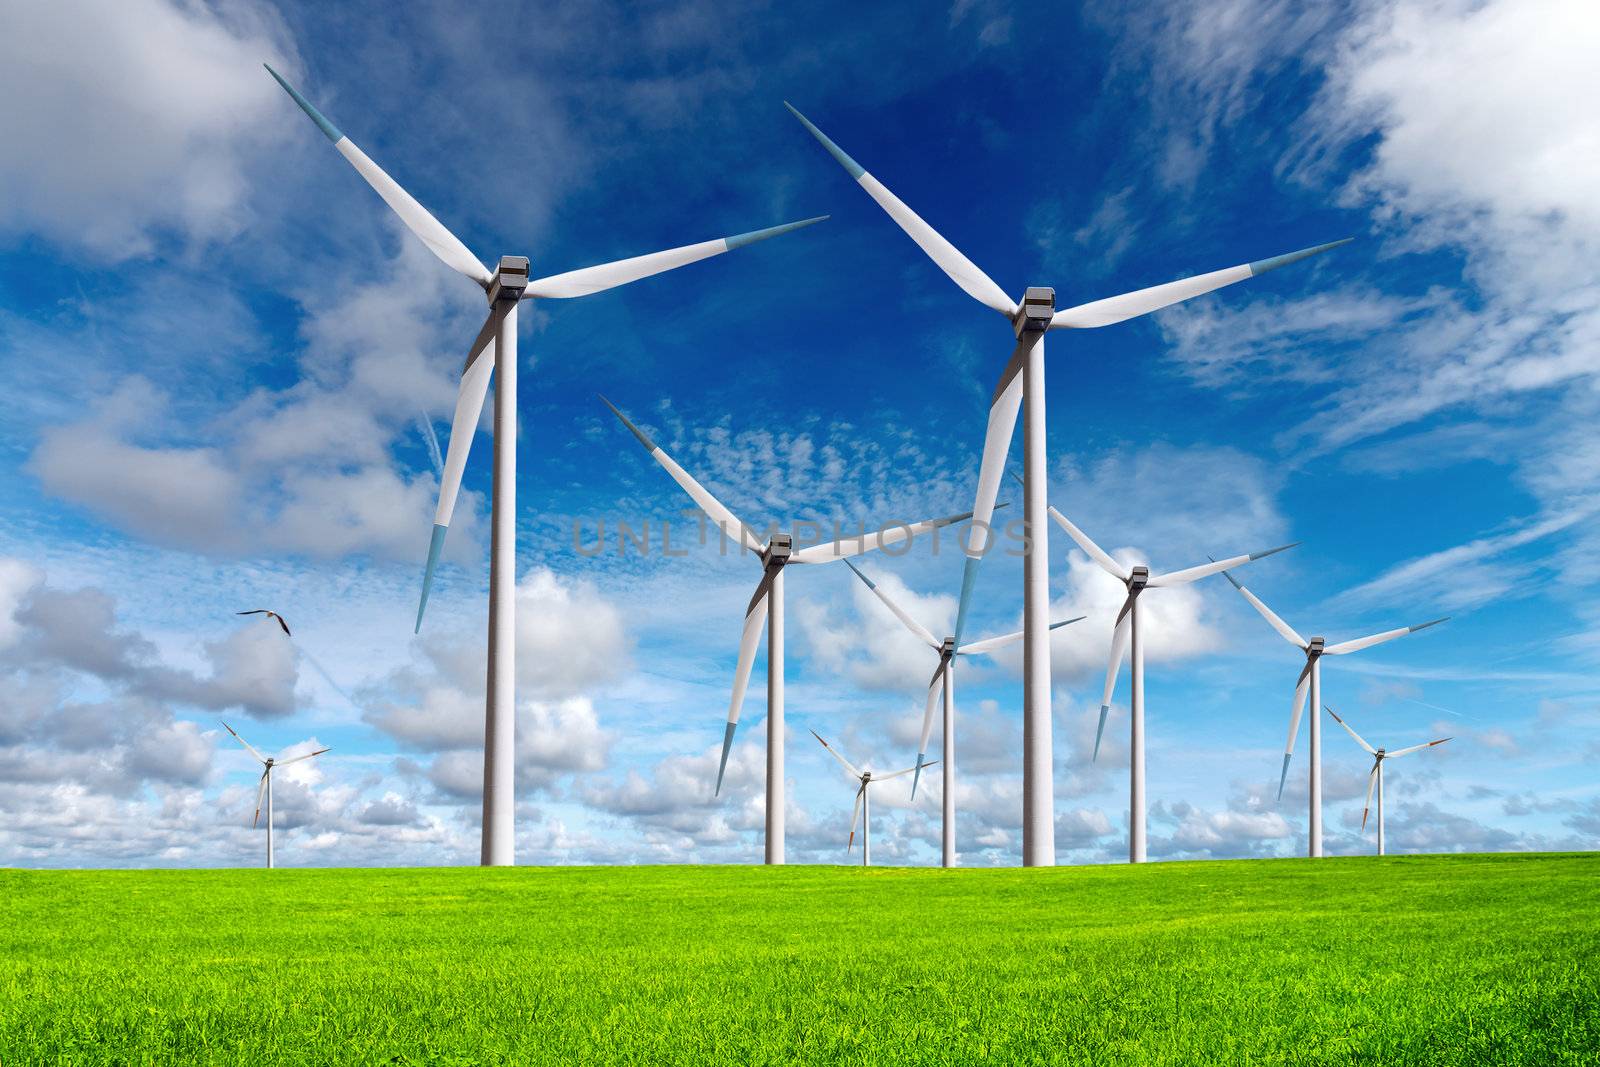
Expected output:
(1376, 776)
(1311, 680)
(863, 806)
(495, 351)
(766, 606)
(943, 678)
(1125, 635)
(1021, 385)
(265, 789)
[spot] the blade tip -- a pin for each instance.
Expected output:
(1262, 266)
(854, 169)
(328, 129)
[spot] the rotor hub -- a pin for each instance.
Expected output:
(1315, 646)
(1138, 579)
(510, 279)
(779, 549)
(1038, 308)
(947, 649)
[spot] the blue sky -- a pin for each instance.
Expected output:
(221, 349)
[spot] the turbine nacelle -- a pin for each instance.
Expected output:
(510, 279)
(948, 649)
(1315, 646)
(778, 550)
(1138, 578)
(1038, 308)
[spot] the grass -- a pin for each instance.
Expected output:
(1463, 959)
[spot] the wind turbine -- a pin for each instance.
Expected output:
(1376, 777)
(1125, 636)
(495, 350)
(776, 554)
(1311, 679)
(863, 806)
(1021, 381)
(267, 763)
(945, 673)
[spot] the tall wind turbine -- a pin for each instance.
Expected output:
(774, 555)
(1125, 635)
(1376, 777)
(267, 763)
(943, 678)
(1311, 680)
(1021, 381)
(863, 806)
(495, 350)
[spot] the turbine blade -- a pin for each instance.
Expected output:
(463, 427)
(261, 792)
(1004, 407)
(908, 770)
(1359, 643)
(1205, 570)
(1347, 729)
(1094, 551)
(828, 551)
(1416, 748)
(945, 255)
(854, 815)
(1366, 805)
(440, 241)
(1119, 644)
(243, 742)
(834, 753)
(718, 512)
(1300, 688)
(989, 644)
(927, 722)
(587, 280)
(297, 759)
(755, 620)
(1285, 631)
(911, 624)
(1143, 301)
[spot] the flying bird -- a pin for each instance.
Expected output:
(270, 615)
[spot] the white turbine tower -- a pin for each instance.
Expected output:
(1376, 777)
(1125, 635)
(943, 679)
(766, 607)
(863, 806)
(495, 351)
(1021, 381)
(265, 790)
(1311, 680)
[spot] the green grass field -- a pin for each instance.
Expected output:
(1470, 959)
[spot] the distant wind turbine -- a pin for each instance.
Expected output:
(1022, 382)
(943, 673)
(265, 790)
(1125, 636)
(863, 805)
(495, 349)
(775, 555)
(1311, 680)
(1376, 776)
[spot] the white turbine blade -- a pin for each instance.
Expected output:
(854, 815)
(1094, 551)
(1300, 688)
(726, 521)
(908, 770)
(297, 759)
(1130, 305)
(911, 624)
(463, 426)
(1359, 643)
(261, 791)
(828, 551)
(1004, 406)
(1415, 748)
(444, 244)
(1285, 631)
(927, 722)
(1366, 805)
(945, 255)
(755, 620)
(834, 753)
(1347, 729)
(243, 742)
(1119, 644)
(989, 644)
(587, 280)
(1205, 570)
